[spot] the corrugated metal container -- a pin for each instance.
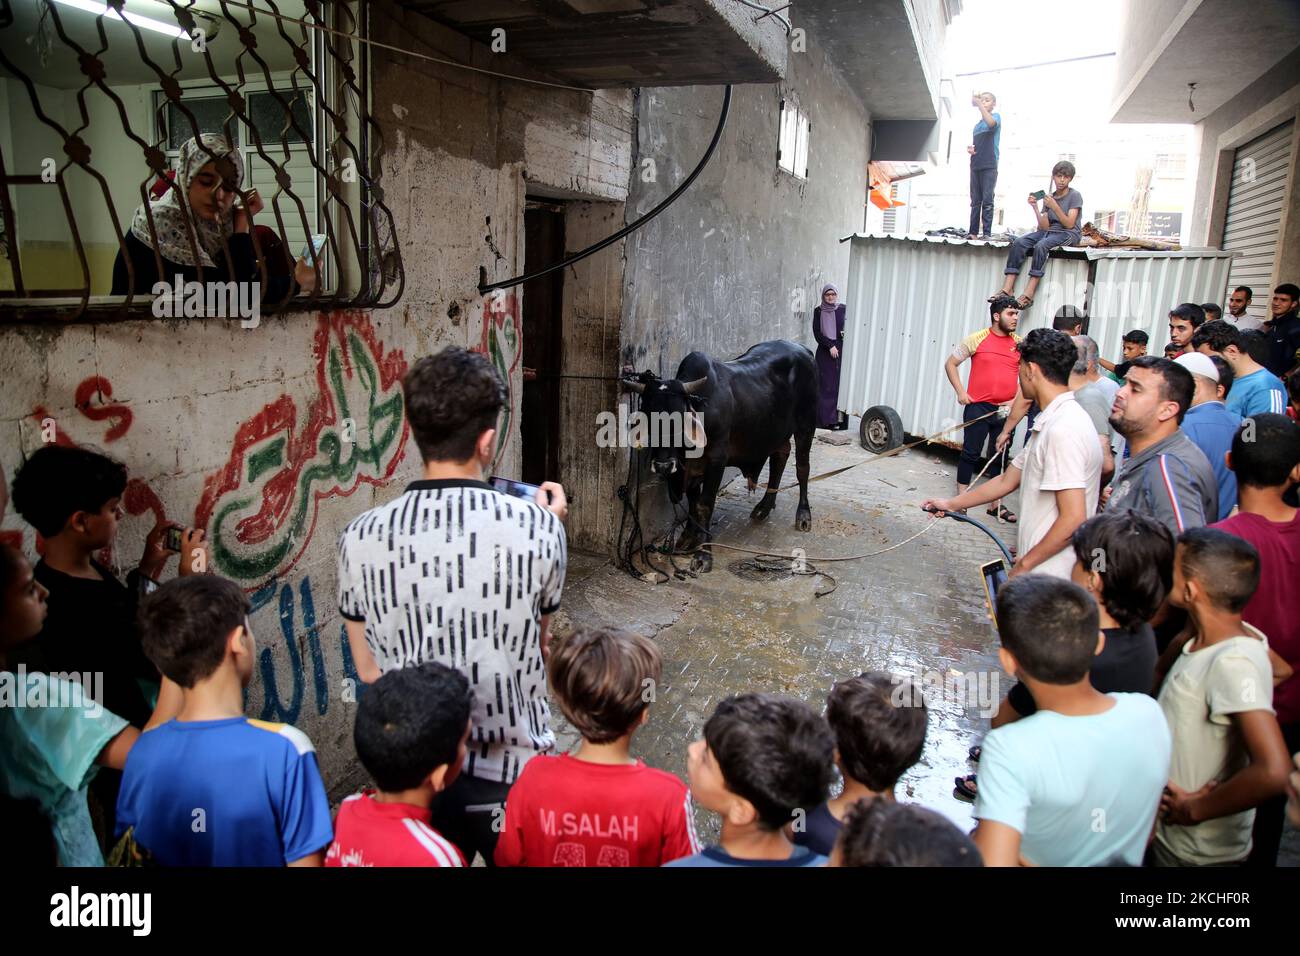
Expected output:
(910, 300)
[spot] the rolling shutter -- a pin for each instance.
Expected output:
(1255, 202)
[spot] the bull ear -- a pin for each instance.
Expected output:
(691, 388)
(632, 385)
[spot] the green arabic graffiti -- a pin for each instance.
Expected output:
(339, 459)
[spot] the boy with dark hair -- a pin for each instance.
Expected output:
(1228, 755)
(1184, 320)
(1213, 312)
(1172, 351)
(1226, 376)
(72, 496)
(1124, 560)
(762, 758)
(1256, 390)
(410, 735)
(1265, 467)
(1282, 333)
(1070, 319)
(50, 751)
(885, 833)
(994, 383)
(457, 572)
(877, 740)
(1078, 782)
(600, 806)
(1165, 475)
(1058, 225)
(1134, 344)
(1058, 472)
(212, 787)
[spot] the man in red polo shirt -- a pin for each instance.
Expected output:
(994, 382)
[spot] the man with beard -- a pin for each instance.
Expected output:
(1166, 476)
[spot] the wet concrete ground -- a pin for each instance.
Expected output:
(915, 611)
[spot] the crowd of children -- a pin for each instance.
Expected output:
(1105, 752)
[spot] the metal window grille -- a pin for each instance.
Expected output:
(288, 89)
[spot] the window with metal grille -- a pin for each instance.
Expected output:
(792, 144)
(98, 101)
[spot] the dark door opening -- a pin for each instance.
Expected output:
(539, 420)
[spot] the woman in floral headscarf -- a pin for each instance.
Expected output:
(828, 330)
(208, 188)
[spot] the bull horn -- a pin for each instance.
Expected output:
(692, 388)
(632, 385)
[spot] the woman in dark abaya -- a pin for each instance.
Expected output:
(828, 330)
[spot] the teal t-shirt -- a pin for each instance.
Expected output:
(50, 735)
(1082, 791)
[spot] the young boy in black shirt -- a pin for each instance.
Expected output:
(73, 498)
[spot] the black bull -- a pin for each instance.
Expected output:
(749, 409)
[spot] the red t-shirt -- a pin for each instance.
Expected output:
(1273, 608)
(568, 812)
(370, 833)
(994, 365)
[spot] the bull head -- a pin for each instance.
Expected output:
(669, 420)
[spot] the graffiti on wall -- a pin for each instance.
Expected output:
(502, 343)
(260, 509)
(302, 643)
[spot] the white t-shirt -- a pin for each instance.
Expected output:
(453, 571)
(1245, 322)
(1080, 790)
(1202, 692)
(1061, 453)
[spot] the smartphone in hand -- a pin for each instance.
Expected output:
(1040, 195)
(994, 574)
(516, 489)
(317, 242)
(172, 539)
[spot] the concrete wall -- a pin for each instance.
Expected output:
(1268, 102)
(742, 256)
(241, 430)
(1143, 25)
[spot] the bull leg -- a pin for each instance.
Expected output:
(803, 437)
(775, 468)
(702, 515)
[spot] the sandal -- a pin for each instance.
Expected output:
(1025, 301)
(966, 788)
(1002, 514)
(974, 753)
(996, 295)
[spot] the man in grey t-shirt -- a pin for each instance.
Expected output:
(1166, 476)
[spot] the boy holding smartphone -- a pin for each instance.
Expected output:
(1058, 225)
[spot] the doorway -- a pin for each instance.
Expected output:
(539, 420)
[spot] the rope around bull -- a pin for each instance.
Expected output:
(681, 573)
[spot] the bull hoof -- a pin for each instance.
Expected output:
(803, 519)
(763, 508)
(702, 562)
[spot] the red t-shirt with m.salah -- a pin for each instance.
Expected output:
(1273, 609)
(370, 833)
(568, 812)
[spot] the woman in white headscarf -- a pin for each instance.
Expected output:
(207, 188)
(828, 330)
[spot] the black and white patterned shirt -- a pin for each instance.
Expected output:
(453, 571)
